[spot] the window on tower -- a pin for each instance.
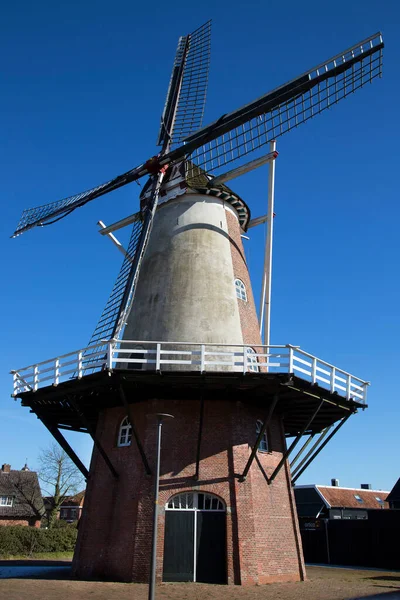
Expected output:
(264, 440)
(240, 290)
(125, 433)
(252, 362)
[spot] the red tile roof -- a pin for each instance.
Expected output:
(339, 497)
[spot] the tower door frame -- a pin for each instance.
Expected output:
(196, 502)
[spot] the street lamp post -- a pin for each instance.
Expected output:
(152, 583)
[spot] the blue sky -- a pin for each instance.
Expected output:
(82, 90)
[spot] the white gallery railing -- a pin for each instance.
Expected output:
(188, 356)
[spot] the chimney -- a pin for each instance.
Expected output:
(365, 486)
(6, 468)
(335, 482)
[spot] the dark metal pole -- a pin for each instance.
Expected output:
(152, 583)
(341, 423)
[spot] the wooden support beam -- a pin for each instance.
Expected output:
(340, 424)
(300, 452)
(200, 434)
(294, 444)
(323, 433)
(58, 436)
(259, 438)
(135, 434)
(92, 434)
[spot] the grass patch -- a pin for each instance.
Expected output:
(39, 556)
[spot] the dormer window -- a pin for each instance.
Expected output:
(240, 290)
(6, 500)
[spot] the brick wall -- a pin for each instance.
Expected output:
(247, 310)
(263, 541)
(115, 530)
(24, 522)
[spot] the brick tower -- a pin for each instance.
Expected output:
(194, 287)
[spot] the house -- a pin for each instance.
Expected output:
(70, 509)
(334, 502)
(21, 500)
(347, 526)
(394, 497)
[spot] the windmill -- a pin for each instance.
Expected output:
(179, 334)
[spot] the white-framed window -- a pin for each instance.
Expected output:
(252, 362)
(195, 501)
(125, 433)
(6, 500)
(264, 440)
(240, 290)
(358, 498)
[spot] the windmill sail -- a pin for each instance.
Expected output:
(245, 130)
(49, 213)
(186, 96)
(116, 311)
(238, 133)
(107, 323)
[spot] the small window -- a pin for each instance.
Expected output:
(252, 362)
(240, 290)
(125, 433)
(6, 500)
(381, 502)
(264, 440)
(358, 498)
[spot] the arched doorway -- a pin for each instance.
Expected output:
(195, 538)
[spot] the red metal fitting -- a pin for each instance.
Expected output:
(153, 165)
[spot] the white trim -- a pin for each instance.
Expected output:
(194, 544)
(325, 501)
(241, 289)
(127, 427)
(9, 501)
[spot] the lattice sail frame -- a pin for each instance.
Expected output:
(247, 129)
(187, 91)
(288, 106)
(106, 326)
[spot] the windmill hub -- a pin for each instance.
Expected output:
(180, 335)
(182, 179)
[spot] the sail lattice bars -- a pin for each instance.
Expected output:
(187, 91)
(46, 214)
(105, 328)
(245, 130)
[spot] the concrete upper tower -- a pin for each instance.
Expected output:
(186, 290)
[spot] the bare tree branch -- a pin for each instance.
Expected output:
(58, 471)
